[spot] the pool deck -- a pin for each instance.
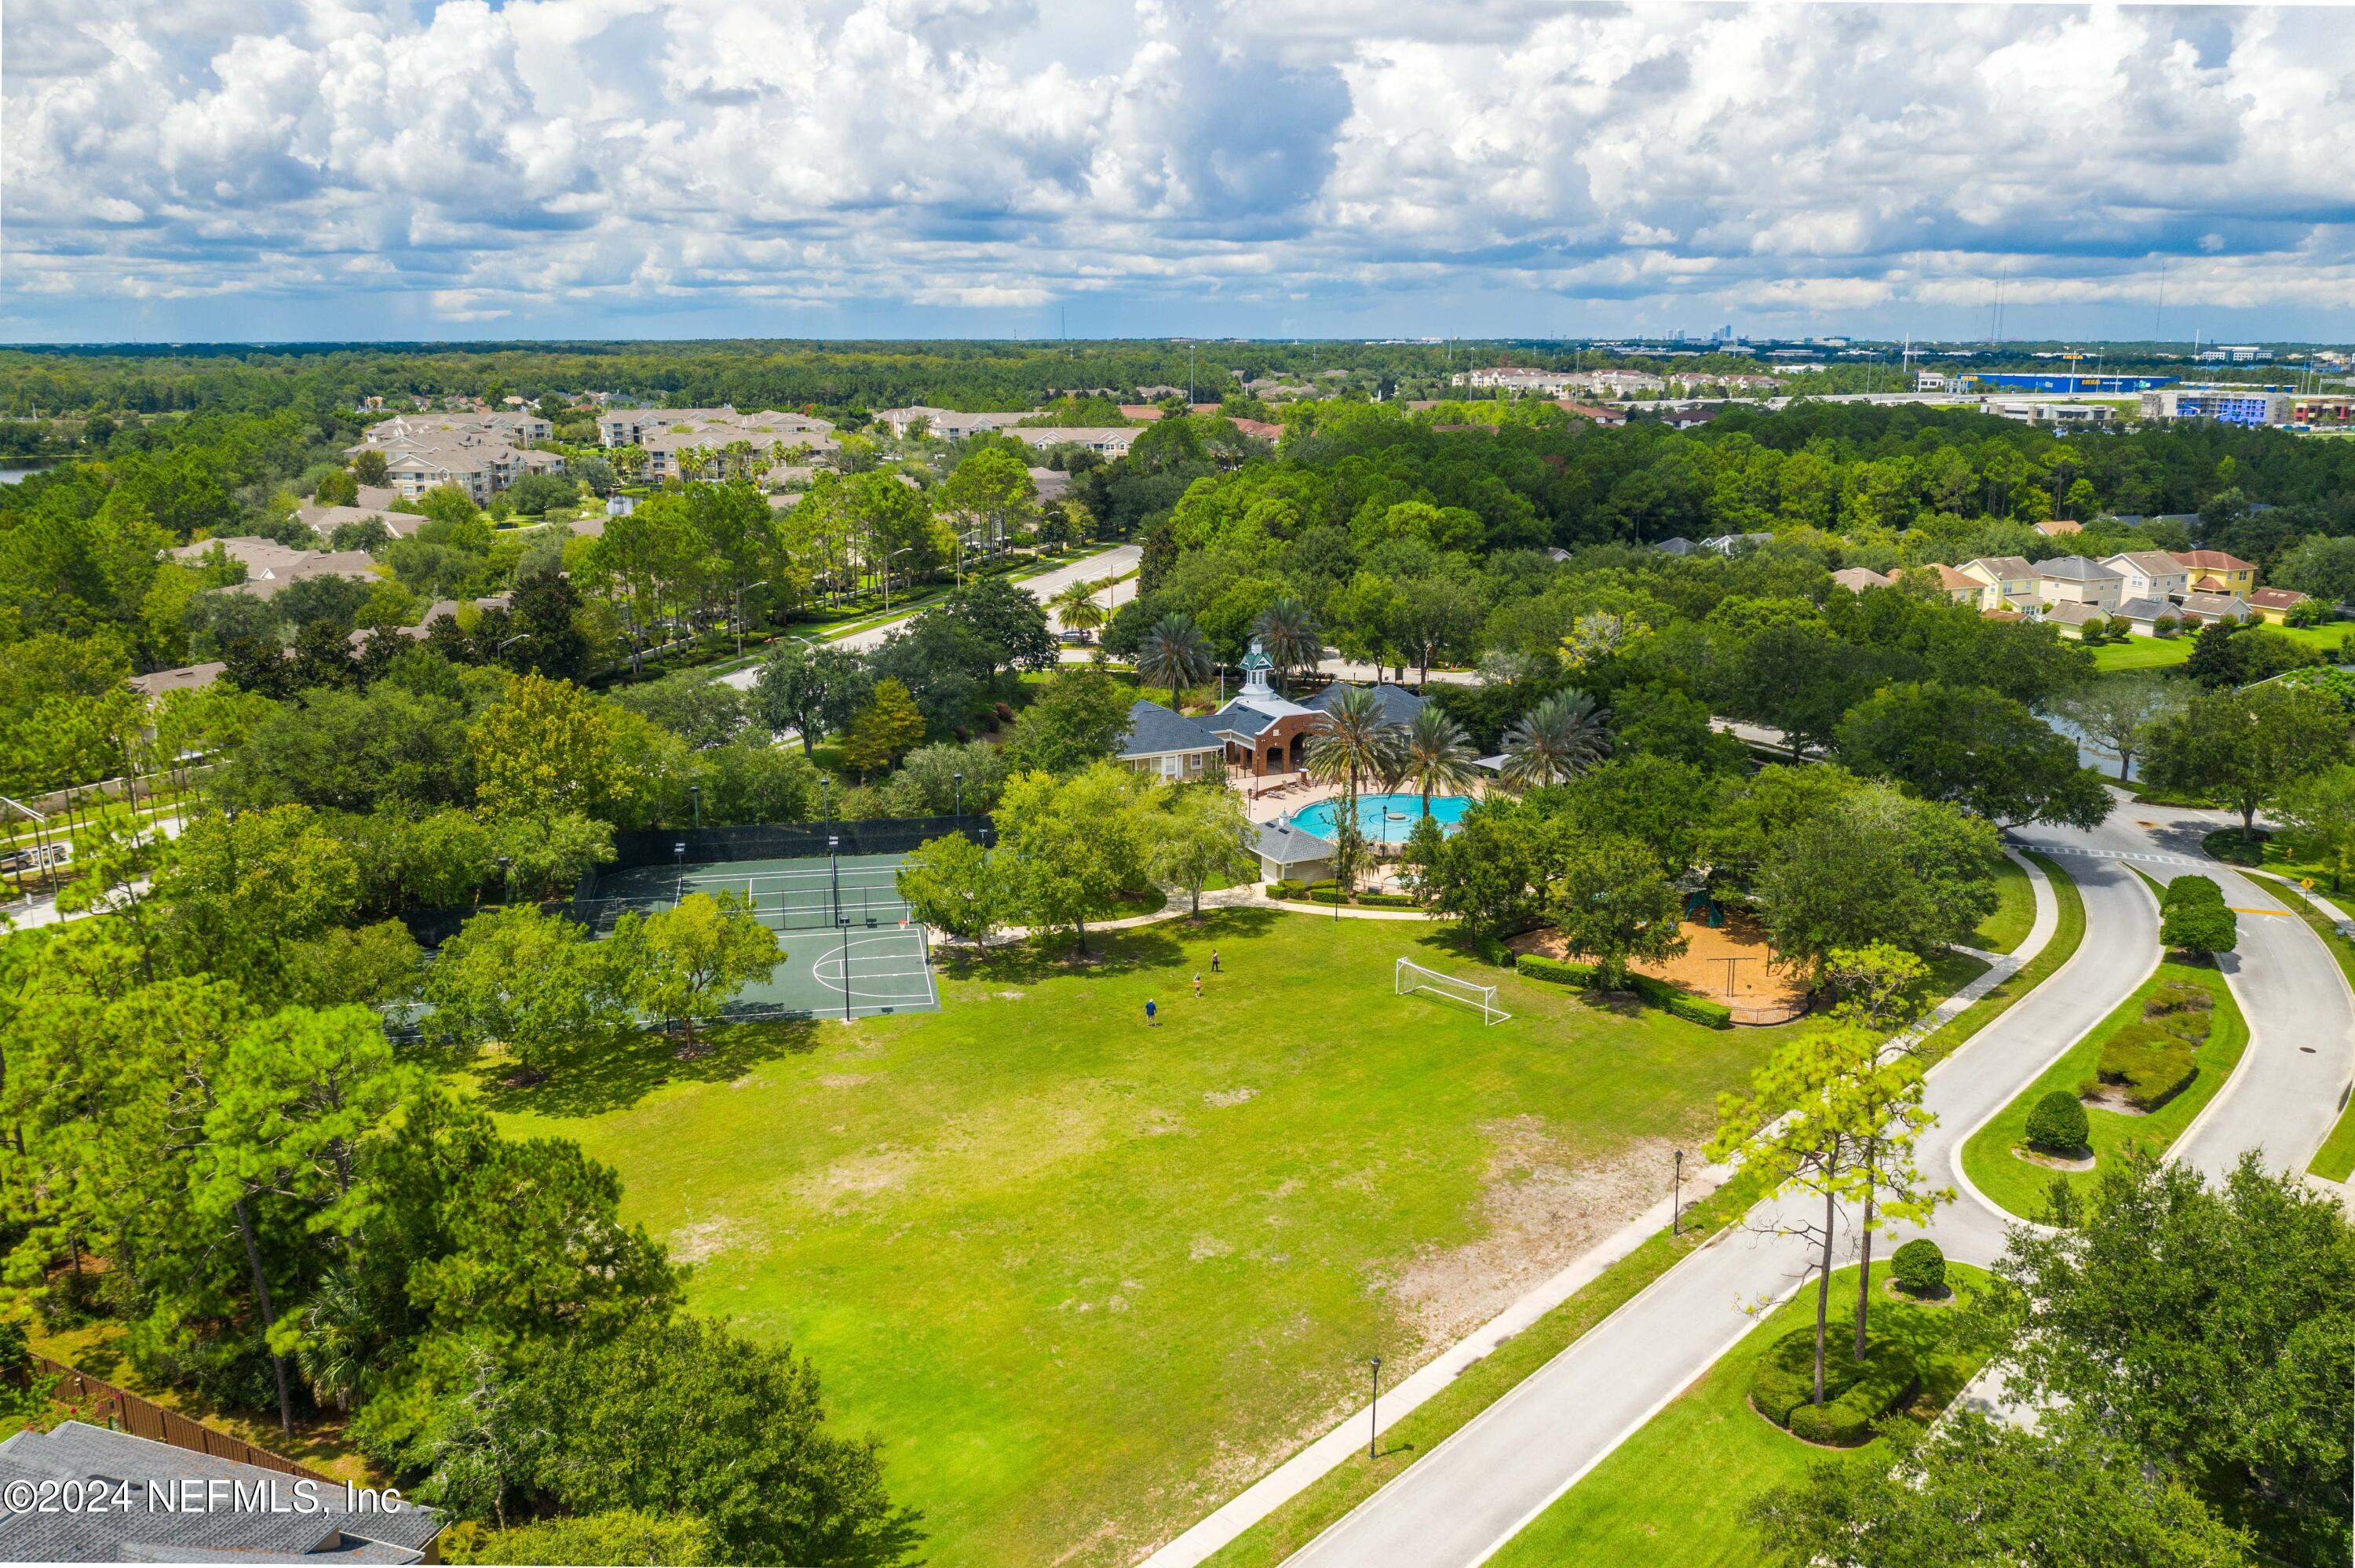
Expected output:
(1276, 801)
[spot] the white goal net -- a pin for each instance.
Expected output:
(1409, 976)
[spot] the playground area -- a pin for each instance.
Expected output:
(849, 949)
(1728, 961)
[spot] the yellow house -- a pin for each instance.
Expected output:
(2230, 574)
(2005, 582)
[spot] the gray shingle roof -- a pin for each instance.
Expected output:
(276, 1521)
(1399, 705)
(1287, 845)
(2076, 569)
(1153, 730)
(2145, 608)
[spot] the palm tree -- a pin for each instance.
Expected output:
(1288, 635)
(1556, 741)
(1173, 654)
(1355, 740)
(1076, 606)
(1436, 755)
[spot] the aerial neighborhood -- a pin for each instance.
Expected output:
(1011, 786)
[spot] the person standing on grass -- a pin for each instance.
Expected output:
(1148, 1013)
(1197, 985)
(1214, 960)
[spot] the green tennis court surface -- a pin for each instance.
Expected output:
(850, 949)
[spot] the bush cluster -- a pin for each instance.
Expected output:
(1919, 1267)
(1658, 993)
(1855, 1394)
(2057, 1125)
(2194, 918)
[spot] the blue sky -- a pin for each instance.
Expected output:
(306, 169)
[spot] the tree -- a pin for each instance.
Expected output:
(528, 980)
(546, 746)
(1009, 621)
(994, 489)
(1201, 832)
(1871, 866)
(809, 691)
(882, 731)
(370, 467)
(1173, 654)
(1611, 904)
(2318, 817)
(1972, 1492)
(2245, 748)
(2206, 1331)
(688, 962)
(2116, 712)
(1975, 749)
(1078, 844)
(2194, 918)
(1797, 1130)
(1355, 740)
(1488, 874)
(1077, 609)
(636, 1536)
(1556, 741)
(1289, 636)
(1434, 756)
(954, 885)
(1078, 717)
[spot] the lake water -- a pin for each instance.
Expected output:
(11, 473)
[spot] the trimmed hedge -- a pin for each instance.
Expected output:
(1660, 993)
(2150, 1063)
(1919, 1267)
(1855, 1394)
(1390, 901)
(1285, 888)
(2057, 1125)
(2175, 996)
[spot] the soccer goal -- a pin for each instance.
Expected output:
(1409, 976)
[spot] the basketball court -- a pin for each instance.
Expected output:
(850, 949)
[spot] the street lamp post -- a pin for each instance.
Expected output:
(1374, 1409)
(887, 575)
(956, 798)
(842, 923)
(695, 791)
(1676, 1198)
(678, 863)
(826, 797)
(834, 862)
(506, 879)
(740, 613)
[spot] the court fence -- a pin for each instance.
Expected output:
(95, 1399)
(718, 846)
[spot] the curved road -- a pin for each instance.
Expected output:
(1481, 1486)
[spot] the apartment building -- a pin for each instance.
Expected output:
(517, 428)
(479, 465)
(770, 435)
(269, 566)
(633, 427)
(944, 424)
(1112, 442)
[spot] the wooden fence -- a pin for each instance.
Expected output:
(98, 1401)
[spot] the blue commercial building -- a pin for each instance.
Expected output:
(2061, 381)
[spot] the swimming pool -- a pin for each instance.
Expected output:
(1384, 819)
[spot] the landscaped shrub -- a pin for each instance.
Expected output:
(1919, 1267)
(1555, 971)
(1855, 1394)
(2176, 997)
(1660, 993)
(1390, 901)
(1285, 888)
(2148, 1063)
(2194, 919)
(2058, 1124)
(2191, 1028)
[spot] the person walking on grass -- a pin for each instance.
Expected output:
(1197, 985)
(1214, 960)
(1148, 1015)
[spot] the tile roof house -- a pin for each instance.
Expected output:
(1856, 579)
(1167, 744)
(2149, 573)
(2274, 604)
(2232, 574)
(180, 1506)
(271, 566)
(2073, 579)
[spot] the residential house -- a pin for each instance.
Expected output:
(1146, 413)
(1260, 429)
(2213, 571)
(188, 1506)
(2058, 527)
(2203, 606)
(2143, 615)
(2073, 579)
(271, 566)
(1958, 586)
(2149, 573)
(2005, 582)
(1111, 442)
(1856, 579)
(2073, 617)
(1675, 545)
(1592, 412)
(1169, 745)
(181, 678)
(1727, 544)
(326, 520)
(1051, 483)
(2274, 604)
(1685, 418)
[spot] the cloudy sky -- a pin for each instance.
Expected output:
(306, 169)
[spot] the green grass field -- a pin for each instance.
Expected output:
(1086, 1279)
(2020, 1186)
(2015, 910)
(2158, 652)
(1675, 1490)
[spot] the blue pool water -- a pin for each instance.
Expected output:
(1384, 819)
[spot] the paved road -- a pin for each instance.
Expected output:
(1115, 562)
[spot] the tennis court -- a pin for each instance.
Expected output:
(850, 947)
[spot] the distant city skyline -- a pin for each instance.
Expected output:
(306, 170)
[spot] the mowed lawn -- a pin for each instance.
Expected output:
(2157, 653)
(2015, 910)
(1086, 1279)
